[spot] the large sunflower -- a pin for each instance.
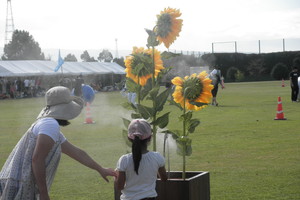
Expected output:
(139, 65)
(168, 26)
(196, 88)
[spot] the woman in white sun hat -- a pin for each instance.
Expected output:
(30, 168)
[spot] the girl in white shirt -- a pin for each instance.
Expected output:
(137, 171)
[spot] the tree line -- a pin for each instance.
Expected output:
(24, 47)
(238, 66)
(234, 66)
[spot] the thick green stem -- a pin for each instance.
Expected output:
(154, 134)
(183, 167)
(184, 143)
(164, 146)
(139, 91)
(184, 133)
(154, 105)
(153, 67)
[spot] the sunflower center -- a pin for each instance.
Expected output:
(164, 25)
(141, 64)
(193, 88)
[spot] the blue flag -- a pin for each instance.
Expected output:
(60, 62)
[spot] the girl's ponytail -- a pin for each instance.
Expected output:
(136, 153)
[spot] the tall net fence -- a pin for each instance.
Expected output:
(253, 46)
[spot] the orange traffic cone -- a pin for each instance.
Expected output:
(88, 116)
(282, 83)
(279, 115)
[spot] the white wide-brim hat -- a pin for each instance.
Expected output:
(60, 104)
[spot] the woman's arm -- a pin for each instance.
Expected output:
(82, 157)
(43, 146)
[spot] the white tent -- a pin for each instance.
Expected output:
(22, 68)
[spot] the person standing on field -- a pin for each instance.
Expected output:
(78, 84)
(299, 88)
(216, 77)
(137, 171)
(30, 168)
(294, 74)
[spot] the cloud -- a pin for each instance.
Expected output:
(96, 24)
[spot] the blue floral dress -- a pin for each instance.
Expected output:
(16, 177)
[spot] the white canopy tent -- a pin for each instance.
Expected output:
(23, 68)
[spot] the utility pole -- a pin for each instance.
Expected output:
(9, 28)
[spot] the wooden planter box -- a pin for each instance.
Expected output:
(194, 187)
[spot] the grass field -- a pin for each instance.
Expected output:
(249, 154)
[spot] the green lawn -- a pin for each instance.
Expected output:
(249, 154)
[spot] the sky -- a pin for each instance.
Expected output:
(95, 25)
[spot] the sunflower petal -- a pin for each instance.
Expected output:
(177, 81)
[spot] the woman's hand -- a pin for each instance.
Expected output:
(104, 172)
(82, 157)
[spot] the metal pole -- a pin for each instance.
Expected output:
(62, 71)
(258, 46)
(212, 47)
(283, 44)
(117, 53)
(235, 45)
